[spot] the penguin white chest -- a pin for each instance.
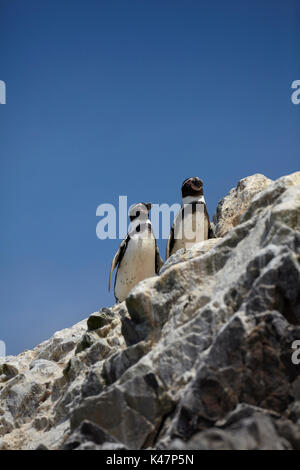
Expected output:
(190, 229)
(138, 263)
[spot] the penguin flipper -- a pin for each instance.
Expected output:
(158, 260)
(117, 258)
(211, 233)
(170, 242)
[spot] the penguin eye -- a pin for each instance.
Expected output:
(138, 213)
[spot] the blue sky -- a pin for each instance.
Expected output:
(109, 98)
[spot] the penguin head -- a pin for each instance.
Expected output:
(192, 187)
(140, 210)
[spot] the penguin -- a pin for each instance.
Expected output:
(191, 224)
(138, 256)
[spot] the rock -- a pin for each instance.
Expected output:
(117, 364)
(244, 365)
(42, 447)
(83, 374)
(232, 206)
(87, 432)
(243, 411)
(26, 390)
(8, 371)
(262, 201)
(197, 250)
(131, 332)
(257, 432)
(290, 432)
(99, 319)
(44, 368)
(199, 357)
(61, 344)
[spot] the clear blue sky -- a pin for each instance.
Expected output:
(127, 97)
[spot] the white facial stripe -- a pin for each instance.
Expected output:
(190, 199)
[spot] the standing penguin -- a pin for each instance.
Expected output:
(138, 256)
(191, 224)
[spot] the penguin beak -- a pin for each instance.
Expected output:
(148, 205)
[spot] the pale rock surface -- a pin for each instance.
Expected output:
(231, 207)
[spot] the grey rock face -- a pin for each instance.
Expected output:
(257, 432)
(199, 357)
(99, 319)
(196, 250)
(231, 207)
(89, 436)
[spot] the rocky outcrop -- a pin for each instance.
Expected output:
(199, 357)
(232, 207)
